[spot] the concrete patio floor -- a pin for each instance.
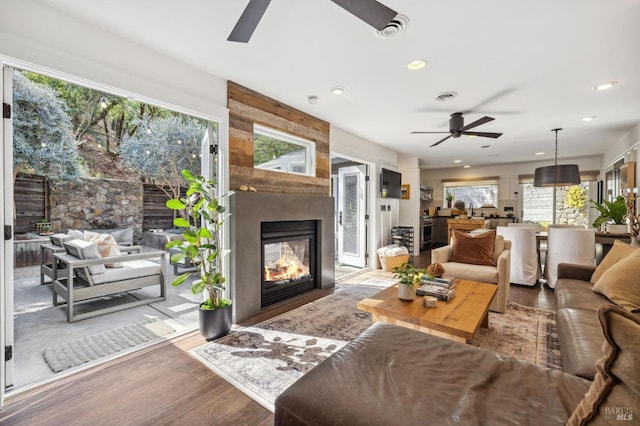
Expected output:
(38, 324)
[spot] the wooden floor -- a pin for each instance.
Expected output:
(163, 384)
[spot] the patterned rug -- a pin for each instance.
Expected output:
(265, 359)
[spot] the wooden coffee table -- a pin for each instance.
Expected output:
(457, 319)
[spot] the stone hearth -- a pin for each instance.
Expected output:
(248, 211)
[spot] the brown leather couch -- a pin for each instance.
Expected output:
(579, 329)
(391, 375)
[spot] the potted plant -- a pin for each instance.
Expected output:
(449, 198)
(615, 211)
(201, 219)
(408, 276)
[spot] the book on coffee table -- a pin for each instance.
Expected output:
(442, 293)
(448, 282)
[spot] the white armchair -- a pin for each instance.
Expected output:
(568, 245)
(499, 274)
(525, 264)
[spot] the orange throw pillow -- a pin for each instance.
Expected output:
(474, 249)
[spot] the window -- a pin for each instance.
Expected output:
(571, 205)
(279, 151)
(474, 193)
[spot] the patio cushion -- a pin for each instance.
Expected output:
(130, 269)
(106, 244)
(58, 239)
(85, 250)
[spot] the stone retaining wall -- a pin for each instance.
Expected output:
(97, 204)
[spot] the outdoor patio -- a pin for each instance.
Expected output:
(39, 324)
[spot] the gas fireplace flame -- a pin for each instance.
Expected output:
(287, 268)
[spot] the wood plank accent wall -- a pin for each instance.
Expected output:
(247, 107)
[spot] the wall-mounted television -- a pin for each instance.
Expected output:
(390, 184)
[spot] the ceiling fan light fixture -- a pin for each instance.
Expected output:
(556, 175)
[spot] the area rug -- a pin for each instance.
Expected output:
(77, 352)
(522, 332)
(265, 359)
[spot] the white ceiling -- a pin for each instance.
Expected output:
(530, 65)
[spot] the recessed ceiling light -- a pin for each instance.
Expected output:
(589, 118)
(457, 161)
(417, 64)
(338, 90)
(540, 153)
(312, 99)
(467, 166)
(485, 146)
(605, 85)
(472, 136)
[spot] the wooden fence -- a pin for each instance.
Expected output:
(31, 195)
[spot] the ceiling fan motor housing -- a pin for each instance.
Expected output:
(456, 123)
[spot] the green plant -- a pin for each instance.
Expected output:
(448, 196)
(610, 210)
(201, 225)
(408, 274)
(575, 197)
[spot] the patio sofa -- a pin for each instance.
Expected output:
(82, 273)
(394, 375)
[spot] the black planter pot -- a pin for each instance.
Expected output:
(215, 323)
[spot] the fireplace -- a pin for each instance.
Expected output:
(289, 261)
(256, 213)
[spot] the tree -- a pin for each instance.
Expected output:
(162, 148)
(42, 138)
(99, 116)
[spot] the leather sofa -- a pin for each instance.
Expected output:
(579, 330)
(391, 375)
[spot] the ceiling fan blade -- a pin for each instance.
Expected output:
(440, 141)
(476, 123)
(372, 12)
(248, 21)
(424, 133)
(483, 134)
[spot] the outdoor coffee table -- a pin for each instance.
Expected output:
(457, 319)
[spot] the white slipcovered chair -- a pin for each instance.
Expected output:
(525, 266)
(568, 245)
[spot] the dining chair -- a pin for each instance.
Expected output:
(568, 245)
(525, 264)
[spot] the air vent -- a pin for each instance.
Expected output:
(446, 96)
(393, 28)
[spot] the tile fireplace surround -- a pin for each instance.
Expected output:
(248, 211)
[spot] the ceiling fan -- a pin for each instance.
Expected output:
(372, 12)
(457, 128)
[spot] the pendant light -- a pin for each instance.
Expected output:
(557, 175)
